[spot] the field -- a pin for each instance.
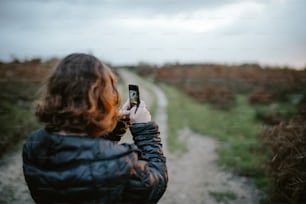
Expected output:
(236, 105)
(247, 108)
(19, 83)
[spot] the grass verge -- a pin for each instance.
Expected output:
(223, 197)
(240, 150)
(17, 115)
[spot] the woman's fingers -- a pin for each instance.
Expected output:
(136, 114)
(124, 112)
(141, 115)
(133, 110)
(126, 105)
(142, 104)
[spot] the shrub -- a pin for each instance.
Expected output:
(146, 70)
(264, 85)
(220, 97)
(260, 96)
(287, 144)
(301, 106)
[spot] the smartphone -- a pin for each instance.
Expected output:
(134, 95)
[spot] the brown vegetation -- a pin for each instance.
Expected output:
(218, 84)
(287, 144)
(19, 84)
(31, 70)
(219, 97)
(261, 96)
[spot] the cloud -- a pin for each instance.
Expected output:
(267, 31)
(201, 20)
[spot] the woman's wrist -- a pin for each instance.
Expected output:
(144, 128)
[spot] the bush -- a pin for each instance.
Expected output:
(274, 114)
(287, 144)
(261, 96)
(220, 97)
(263, 85)
(146, 70)
(301, 106)
(17, 115)
(19, 83)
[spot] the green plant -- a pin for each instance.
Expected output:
(17, 115)
(223, 196)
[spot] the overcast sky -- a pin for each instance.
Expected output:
(157, 31)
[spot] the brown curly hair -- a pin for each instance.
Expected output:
(80, 96)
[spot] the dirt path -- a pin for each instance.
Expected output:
(13, 189)
(193, 176)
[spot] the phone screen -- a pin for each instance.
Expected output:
(134, 95)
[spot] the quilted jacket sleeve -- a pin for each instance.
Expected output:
(149, 175)
(119, 130)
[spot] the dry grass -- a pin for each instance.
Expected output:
(287, 144)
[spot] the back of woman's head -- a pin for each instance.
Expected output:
(80, 96)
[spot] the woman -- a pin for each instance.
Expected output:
(75, 158)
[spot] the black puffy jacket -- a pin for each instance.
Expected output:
(80, 169)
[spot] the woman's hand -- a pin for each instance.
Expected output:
(140, 114)
(124, 112)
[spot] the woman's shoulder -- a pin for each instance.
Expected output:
(35, 138)
(77, 147)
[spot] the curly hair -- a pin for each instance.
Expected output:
(80, 96)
